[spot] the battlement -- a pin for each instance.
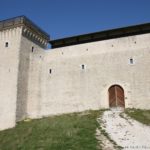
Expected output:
(30, 29)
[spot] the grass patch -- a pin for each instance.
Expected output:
(66, 132)
(142, 116)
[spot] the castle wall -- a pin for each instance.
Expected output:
(9, 61)
(23, 75)
(29, 79)
(69, 88)
(29, 90)
(35, 82)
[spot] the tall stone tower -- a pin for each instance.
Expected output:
(19, 38)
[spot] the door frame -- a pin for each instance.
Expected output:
(114, 85)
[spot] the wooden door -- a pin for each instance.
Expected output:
(116, 96)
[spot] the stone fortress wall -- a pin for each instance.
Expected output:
(36, 82)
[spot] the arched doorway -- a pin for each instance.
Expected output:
(116, 96)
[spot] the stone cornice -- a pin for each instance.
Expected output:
(30, 30)
(34, 37)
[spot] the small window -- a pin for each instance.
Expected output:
(6, 44)
(83, 67)
(50, 71)
(131, 61)
(32, 49)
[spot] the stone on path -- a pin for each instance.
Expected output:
(126, 132)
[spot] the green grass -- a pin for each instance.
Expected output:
(142, 116)
(65, 132)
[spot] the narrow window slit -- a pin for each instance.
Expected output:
(50, 71)
(83, 67)
(131, 60)
(6, 44)
(32, 49)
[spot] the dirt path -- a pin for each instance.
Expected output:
(126, 132)
(104, 141)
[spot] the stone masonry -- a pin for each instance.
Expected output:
(74, 75)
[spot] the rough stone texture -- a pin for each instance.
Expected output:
(28, 89)
(34, 88)
(9, 61)
(69, 88)
(23, 79)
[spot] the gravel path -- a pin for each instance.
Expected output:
(126, 132)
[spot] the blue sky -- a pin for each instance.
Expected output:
(65, 18)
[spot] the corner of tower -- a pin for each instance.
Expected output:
(17, 35)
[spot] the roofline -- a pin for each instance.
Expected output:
(22, 20)
(102, 35)
(40, 29)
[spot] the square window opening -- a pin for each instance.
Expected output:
(131, 61)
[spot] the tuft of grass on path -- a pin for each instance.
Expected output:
(65, 132)
(142, 116)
